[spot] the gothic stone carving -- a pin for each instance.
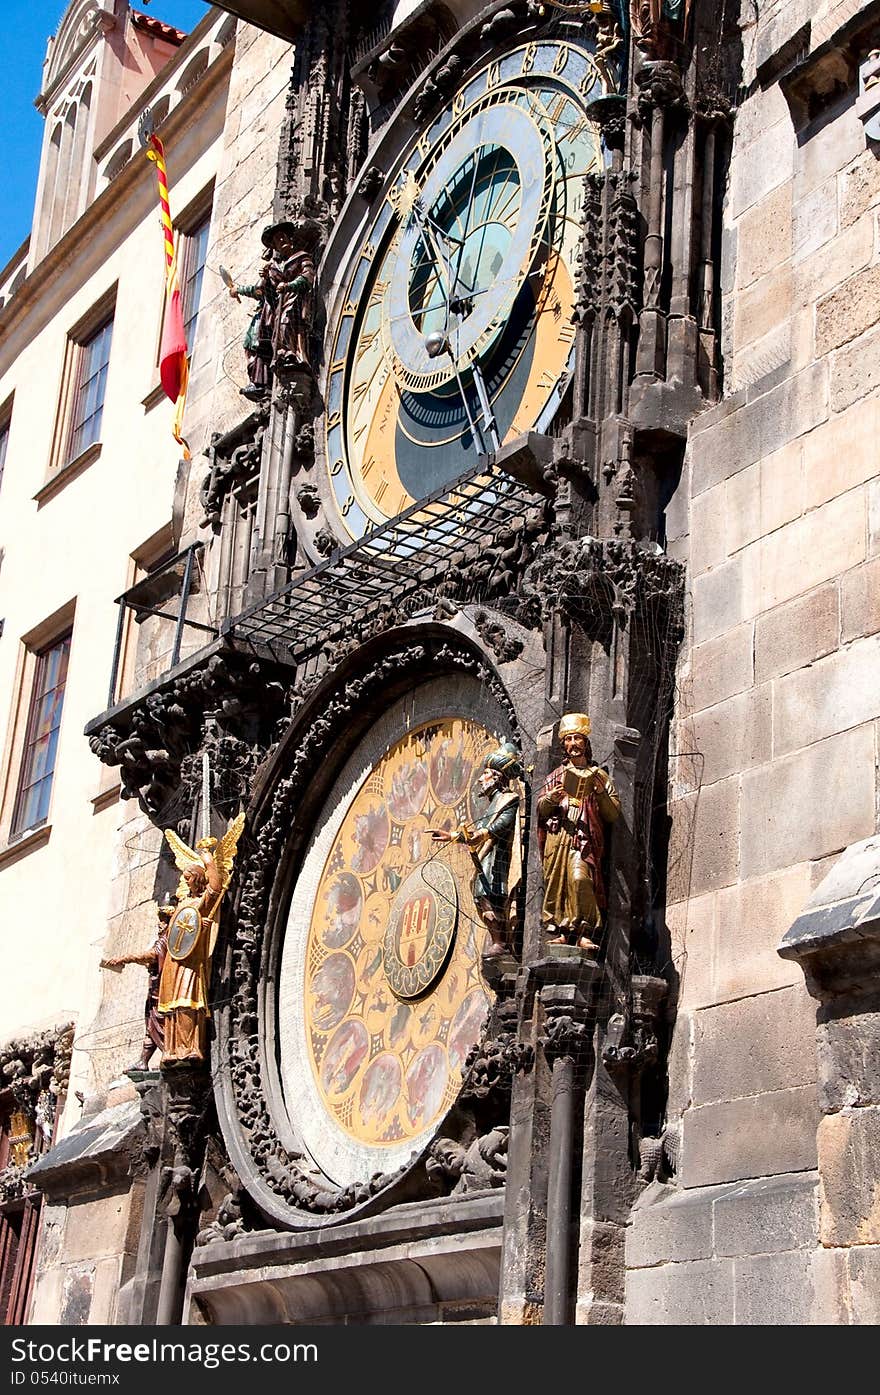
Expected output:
(37, 1070)
(287, 1174)
(609, 253)
(150, 741)
(462, 1170)
(609, 581)
(235, 461)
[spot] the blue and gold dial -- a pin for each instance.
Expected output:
(455, 331)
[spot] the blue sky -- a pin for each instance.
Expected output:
(28, 24)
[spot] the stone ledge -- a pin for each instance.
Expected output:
(422, 1262)
(66, 474)
(818, 65)
(25, 843)
(410, 1222)
(97, 1152)
(836, 938)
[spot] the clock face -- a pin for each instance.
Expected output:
(381, 993)
(455, 332)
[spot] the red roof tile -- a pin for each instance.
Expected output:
(157, 28)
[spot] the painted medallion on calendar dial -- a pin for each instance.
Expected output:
(454, 329)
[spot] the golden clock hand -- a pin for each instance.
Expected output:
(426, 228)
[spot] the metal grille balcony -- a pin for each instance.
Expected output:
(394, 565)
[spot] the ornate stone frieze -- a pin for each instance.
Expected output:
(479, 1167)
(608, 276)
(615, 578)
(565, 1034)
(234, 461)
(36, 1070)
(322, 134)
(151, 739)
(504, 646)
(491, 1065)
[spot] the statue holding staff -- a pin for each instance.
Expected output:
(192, 933)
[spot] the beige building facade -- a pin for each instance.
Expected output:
(684, 542)
(90, 469)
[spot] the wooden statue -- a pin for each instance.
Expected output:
(495, 844)
(152, 960)
(192, 934)
(577, 800)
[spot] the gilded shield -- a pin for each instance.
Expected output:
(183, 933)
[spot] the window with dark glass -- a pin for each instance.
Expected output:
(195, 251)
(91, 384)
(41, 737)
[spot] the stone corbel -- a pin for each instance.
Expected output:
(822, 60)
(836, 941)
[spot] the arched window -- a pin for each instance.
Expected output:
(53, 170)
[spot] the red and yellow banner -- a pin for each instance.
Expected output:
(173, 358)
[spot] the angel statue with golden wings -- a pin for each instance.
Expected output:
(192, 934)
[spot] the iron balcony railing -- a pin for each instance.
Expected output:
(393, 566)
(172, 580)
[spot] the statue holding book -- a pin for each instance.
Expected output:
(575, 803)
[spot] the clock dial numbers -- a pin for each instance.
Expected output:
(506, 157)
(475, 244)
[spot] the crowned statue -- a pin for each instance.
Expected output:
(576, 802)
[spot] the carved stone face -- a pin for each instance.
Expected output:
(445, 1159)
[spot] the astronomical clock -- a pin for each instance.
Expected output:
(454, 327)
(423, 986)
(449, 333)
(381, 995)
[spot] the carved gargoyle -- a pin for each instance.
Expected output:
(480, 1167)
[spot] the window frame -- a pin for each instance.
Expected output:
(187, 276)
(38, 640)
(82, 411)
(198, 211)
(36, 697)
(79, 336)
(5, 431)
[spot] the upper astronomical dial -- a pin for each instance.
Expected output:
(453, 324)
(467, 244)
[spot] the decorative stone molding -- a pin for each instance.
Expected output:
(151, 737)
(36, 1070)
(235, 461)
(836, 938)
